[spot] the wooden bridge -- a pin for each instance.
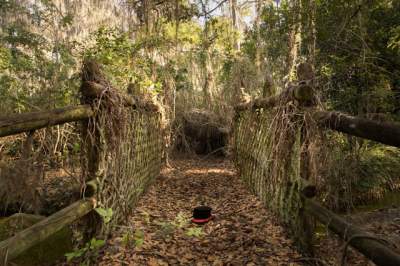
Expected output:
(124, 147)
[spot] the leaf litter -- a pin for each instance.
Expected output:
(159, 232)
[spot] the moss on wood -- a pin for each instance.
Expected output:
(47, 251)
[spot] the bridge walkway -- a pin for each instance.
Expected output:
(160, 232)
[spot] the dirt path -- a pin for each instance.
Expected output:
(242, 233)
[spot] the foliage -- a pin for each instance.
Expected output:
(395, 39)
(358, 173)
(137, 239)
(356, 60)
(87, 253)
(181, 220)
(378, 171)
(363, 73)
(188, 33)
(106, 214)
(114, 50)
(194, 232)
(38, 69)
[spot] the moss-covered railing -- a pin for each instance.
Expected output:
(123, 145)
(272, 142)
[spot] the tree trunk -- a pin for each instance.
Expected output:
(295, 40)
(268, 86)
(258, 37)
(235, 25)
(207, 68)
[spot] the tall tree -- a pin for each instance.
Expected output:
(295, 38)
(235, 24)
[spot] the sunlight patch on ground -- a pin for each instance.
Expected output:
(209, 171)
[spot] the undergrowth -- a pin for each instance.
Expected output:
(359, 172)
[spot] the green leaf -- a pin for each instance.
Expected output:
(77, 147)
(195, 231)
(106, 214)
(146, 217)
(75, 254)
(67, 20)
(180, 220)
(96, 243)
(126, 239)
(139, 238)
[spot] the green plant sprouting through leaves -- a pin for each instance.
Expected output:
(89, 251)
(137, 239)
(106, 214)
(194, 232)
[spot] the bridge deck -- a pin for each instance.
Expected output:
(242, 233)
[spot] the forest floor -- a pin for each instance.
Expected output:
(242, 232)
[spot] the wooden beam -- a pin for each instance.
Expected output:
(18, 123)
(92, 90)
(307, 188)
(13, 247)
(383, 132)
(91, 188)
(302, 93)
(373, 249)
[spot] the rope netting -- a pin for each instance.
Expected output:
(127, 170)
(124, 143)
(268, 153)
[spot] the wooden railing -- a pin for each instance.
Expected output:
(250, 162)
(383, 132)
(139, 150)
(11, 248)
(29, 122)
(19, 123)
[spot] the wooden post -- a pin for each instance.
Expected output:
(302, 92)
(306, 99)
(92, 88)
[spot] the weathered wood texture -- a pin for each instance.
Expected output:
(386, 133)
(18, 123)
(371, 248)
(307, 188)
(13, 247)
(91, 89)
(91, 188)
(302, 93)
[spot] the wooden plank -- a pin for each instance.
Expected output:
(373, 249)
(11, 248)
(383, 132)
(18, 123)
